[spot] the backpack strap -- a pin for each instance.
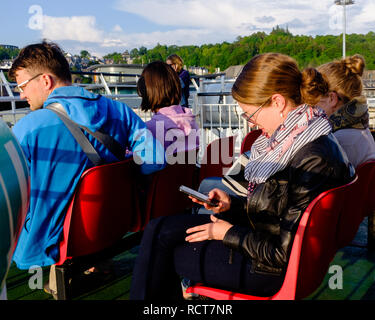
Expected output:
(75, 129)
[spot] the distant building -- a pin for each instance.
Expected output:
(233, 71)
(130, 72)
(126, 57)
(368, 79)
(6, 64)
(369, 74)
(200, 71)
(8, 46)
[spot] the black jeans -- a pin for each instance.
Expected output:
(164, 256)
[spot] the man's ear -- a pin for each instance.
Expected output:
(47, 81)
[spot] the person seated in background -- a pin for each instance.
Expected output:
(347, 108)
(54, 157)
(177, 64)
(172, 124)
(245, 245)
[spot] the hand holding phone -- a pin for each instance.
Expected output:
(199, 196)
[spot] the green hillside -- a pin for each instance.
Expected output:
(307, 50)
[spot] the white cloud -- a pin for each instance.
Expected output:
(117, 28)
(219, 15)
(196, 22)
(235, 16)
(76, 28)
(365, 19)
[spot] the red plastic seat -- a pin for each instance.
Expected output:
(218, 156)
(103, 209)
(249, 140)
(163, 196)
(314, 247)
(366, 177)
(364, 203)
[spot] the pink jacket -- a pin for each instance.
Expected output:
(175, 127)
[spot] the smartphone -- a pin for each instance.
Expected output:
(199, 196)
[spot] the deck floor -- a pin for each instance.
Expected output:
(357, 263)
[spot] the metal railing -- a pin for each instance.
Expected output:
(216, 112)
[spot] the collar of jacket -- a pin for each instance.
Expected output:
(353, 114)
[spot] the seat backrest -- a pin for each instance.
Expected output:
(103, 209)
(315, 243)
(249, 140)
(218, 156)
(163, 195)
(366, 177)
(356, 211)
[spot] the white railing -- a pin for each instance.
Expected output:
(218, 119)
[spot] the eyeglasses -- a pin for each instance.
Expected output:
(248, 117)
(19, 88)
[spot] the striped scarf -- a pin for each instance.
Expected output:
(270, 155)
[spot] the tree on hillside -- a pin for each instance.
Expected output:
(116, 57)
(85, 54)
(307, 50)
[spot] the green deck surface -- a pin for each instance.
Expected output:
(357, 263)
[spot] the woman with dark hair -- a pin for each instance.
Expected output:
(172, 124)
(245, 245)
(347, 108)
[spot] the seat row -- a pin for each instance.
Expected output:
(329, 223)
(112, 205)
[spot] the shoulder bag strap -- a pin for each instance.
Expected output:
(110, 143)
(80, 137)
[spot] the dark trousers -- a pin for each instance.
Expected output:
(164, 257)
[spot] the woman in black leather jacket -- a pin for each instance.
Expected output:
(245, 244)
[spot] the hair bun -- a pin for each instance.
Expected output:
(354, 64)
(313, 86)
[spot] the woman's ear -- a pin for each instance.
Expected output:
(279, 101)
(334, 101)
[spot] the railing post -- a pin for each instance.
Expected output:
(10, 94)
(106, 88)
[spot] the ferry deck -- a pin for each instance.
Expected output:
(218, 116)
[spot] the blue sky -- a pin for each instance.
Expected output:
(106, 26)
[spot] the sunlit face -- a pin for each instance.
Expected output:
(324, 104)
(330, 103)
(266, 118)
(173, 65)
(32, 91)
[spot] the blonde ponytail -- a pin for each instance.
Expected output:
(344, 76)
